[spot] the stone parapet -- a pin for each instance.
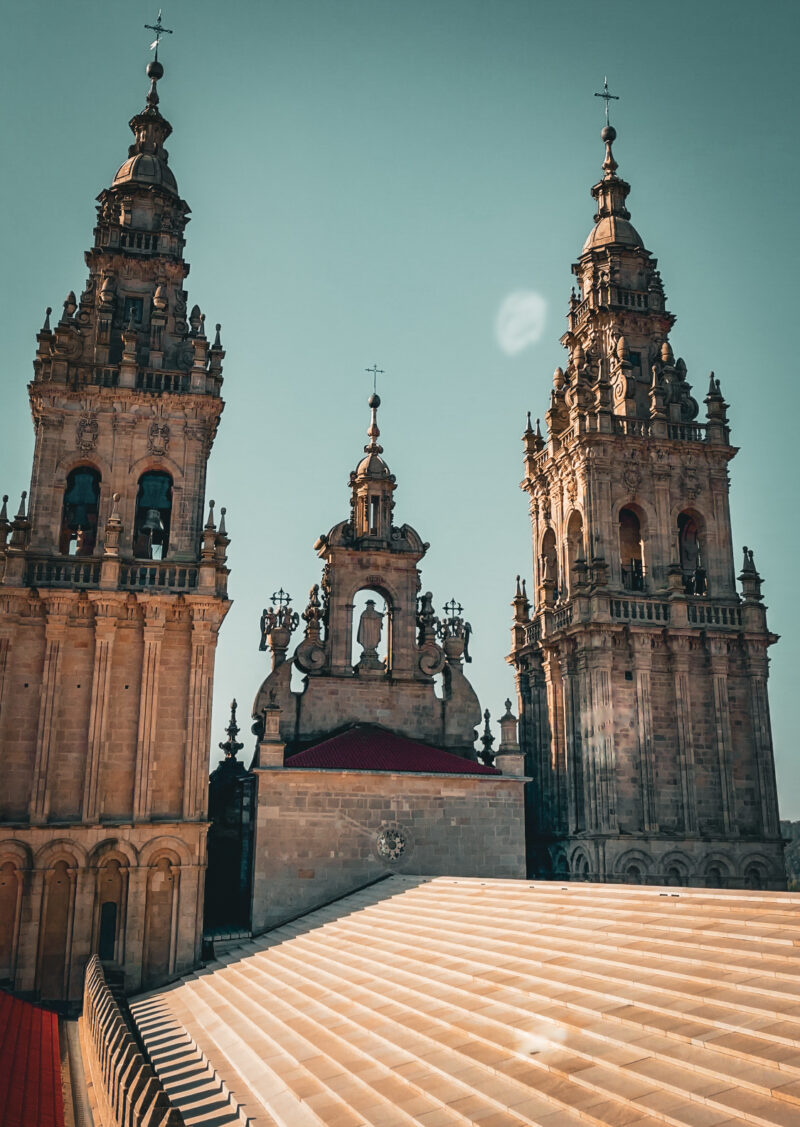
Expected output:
(122, 1086)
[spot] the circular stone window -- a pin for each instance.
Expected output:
(393, 844)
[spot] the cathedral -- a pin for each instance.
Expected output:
(643, 753)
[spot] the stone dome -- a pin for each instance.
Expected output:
(612, 230)
(146, 168)
(372, 465)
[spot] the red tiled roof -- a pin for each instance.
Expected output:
(368, 748)
(30, 1065)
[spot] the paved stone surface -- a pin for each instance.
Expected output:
(450, 1001)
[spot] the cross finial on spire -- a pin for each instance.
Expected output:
(160, 30)
(375, 371)
(607, 97)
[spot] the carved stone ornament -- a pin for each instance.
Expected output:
(571, 487)
(87, 430)
(691, 483)
(393, 844)
(158, 437)
(631, 475)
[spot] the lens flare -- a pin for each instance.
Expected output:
(520, 321)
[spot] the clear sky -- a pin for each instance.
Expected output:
(369, 181)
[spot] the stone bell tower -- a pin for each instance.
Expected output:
(112, 593)
(641, 673)
(367, 552)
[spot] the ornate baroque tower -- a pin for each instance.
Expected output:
(641, 673)
(368, 552)
(112, 595)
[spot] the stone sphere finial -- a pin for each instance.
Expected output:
(608, 134)
(154, 70)
(374, 400)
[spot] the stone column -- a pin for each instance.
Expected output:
(679, 649)
(198, 737)
(663, 538)
(757, 670)
(148, 704)
(105, 626)
(81, 939)
(641, 648)
(718, 653)
(30, 926)
(55, 629)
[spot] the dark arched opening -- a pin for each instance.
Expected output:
(690, 548)
(78, 534)
(152, 521)
(631, 554)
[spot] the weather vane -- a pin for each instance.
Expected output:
(160, 30)
(375, 371)
(608, 97)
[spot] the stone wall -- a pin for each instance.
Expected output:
(318, 833)
(123, 1088)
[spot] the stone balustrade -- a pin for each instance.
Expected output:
(123, 1086)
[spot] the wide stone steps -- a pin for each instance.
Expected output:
(453, 1001)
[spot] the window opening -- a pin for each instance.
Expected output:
(695, 580)
(153, 516)
(631, 554)
(108, 930)
(79, 519)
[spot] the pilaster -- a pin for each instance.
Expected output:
(57, 611)
(642, 651)
(718, 659)
(679, 652)
(105, 626)
(153, 631)
(757, 669)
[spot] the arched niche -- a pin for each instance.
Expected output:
(371, 632)
(10, 897)
(160, 919)
(55, 930)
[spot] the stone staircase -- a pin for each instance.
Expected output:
(455, 1001)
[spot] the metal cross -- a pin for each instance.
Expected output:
(282, 598)
(453, 608)
(375, 371)
(160, 30)
(608, 97)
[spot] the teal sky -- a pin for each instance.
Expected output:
(369, 180)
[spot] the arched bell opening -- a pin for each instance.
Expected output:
(78, 535)
(691, 554)
(631, 550)
(371, 635)
(151, 526)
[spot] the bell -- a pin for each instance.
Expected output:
(153, 522)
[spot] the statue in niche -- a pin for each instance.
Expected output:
(370, 626)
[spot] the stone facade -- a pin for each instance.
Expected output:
(112, 592)
(321, 834)
(641, 673)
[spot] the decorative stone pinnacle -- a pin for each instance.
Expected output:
(21, 514)
(231, 746)
(217, 342)
(46, 325)
(222, 529)
(210, 521)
